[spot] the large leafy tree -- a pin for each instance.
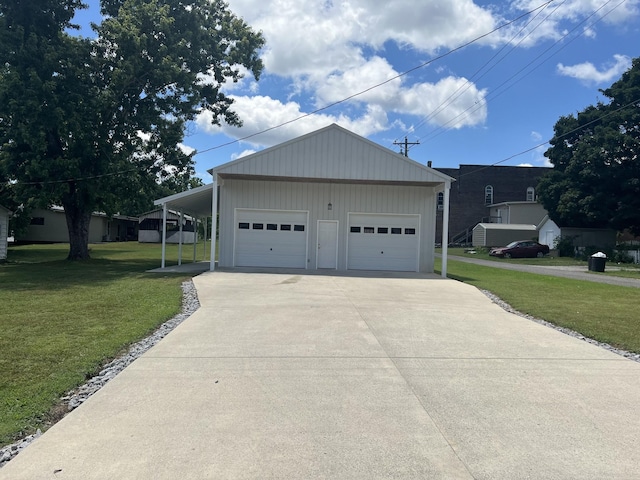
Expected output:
(595, 181)
(89, 123)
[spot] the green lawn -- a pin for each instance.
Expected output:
(61, 320)
(606, 313)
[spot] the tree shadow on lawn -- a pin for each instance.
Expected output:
(63, 274)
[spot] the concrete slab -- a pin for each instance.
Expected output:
(286, 375)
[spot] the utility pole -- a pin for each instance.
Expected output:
(406, 144)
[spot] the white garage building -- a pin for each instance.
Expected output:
(326, 200)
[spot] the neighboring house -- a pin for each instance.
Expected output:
(50, 226)
(477, 188)
(150, 227)
(550, 232)
(326, 200)
(501, 234)
(4, 231)
(524, 213)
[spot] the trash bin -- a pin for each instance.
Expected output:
(597, 261)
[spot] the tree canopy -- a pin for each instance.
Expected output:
(92, 123)
(595, 181)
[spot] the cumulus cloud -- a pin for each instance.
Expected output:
(319, 53)
(261, 113)
(589, 73)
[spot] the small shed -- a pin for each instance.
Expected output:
(4, 231)
(549, 232)
(501, 234)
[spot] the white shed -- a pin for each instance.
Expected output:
(326, 200)
(4, 231)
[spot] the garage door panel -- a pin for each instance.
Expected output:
(266, 238)
(383, 242)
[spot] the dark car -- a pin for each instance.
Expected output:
(521, 249)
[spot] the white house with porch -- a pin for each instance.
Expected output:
(328, 200)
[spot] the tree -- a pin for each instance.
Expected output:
(595, 181)
(88, 122)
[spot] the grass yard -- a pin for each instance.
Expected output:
(60, 321)
(606, 313)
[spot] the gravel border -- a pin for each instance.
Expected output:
(76, 397)
(505, 306)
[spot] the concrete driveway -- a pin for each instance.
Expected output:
(289, 376)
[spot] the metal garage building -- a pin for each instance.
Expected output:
(326, 200)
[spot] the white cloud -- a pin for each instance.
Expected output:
(587, 72)
(536, 136)
(524, 165)
(186, 149)
(260, 113)
(243, 153)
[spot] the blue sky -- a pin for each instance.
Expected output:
(496, 97)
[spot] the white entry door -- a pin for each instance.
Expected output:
(327, 244)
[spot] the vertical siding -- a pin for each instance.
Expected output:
(314, 197)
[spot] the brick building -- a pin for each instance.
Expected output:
(478, 186)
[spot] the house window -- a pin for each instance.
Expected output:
(531, 194)
(440, 200)
(488, 195)
(37, 221)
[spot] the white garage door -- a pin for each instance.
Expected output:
(383, 242)
(271, 238)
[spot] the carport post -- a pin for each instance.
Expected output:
(445, 228)
(164, 233)
(180, 239)
(214, 221)
(195, 238)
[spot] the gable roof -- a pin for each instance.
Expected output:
(331, 154)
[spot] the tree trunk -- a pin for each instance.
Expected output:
(78, 226)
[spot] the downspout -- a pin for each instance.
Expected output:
(195, 238)
(445, 228)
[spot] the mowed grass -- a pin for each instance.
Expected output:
(60, 320)
(606, 313)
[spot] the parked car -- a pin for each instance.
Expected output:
(521, 249)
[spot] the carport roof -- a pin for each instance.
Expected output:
(196, 202)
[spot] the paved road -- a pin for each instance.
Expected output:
(294, 376)
(577, 273)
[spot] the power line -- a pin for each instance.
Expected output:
(400, 75)
(497, 92)
(595, 120)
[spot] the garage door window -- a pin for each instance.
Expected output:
(272, 226)
(409, 231)
(243, 225)
(383, 230)
(396, 231)
(369, 230)
(355, 230)
(298, 228)
(258, 226)
(285, 227)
